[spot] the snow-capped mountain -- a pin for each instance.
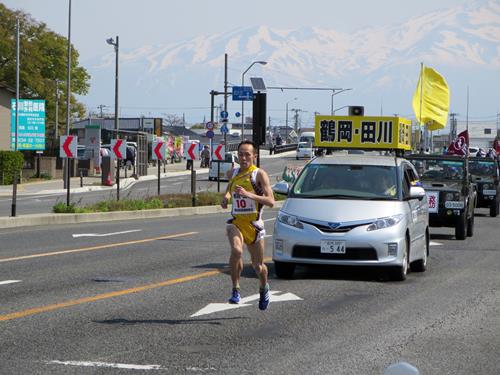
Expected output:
(381, 64)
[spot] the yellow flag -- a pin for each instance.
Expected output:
(432, 106)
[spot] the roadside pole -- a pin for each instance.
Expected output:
(193, 185)
(14, 182)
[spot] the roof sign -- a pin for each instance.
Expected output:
(363, 132)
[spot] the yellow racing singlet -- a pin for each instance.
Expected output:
(246, 212)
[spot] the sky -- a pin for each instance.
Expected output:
(151, 22)
(163, 21)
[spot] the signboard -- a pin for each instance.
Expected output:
(209, 125)
(219, 152)
(192, 151)
(159, 150)
(210, 134)
(31, 124)
(68, 145)
(363, 132)
(224, 114)
(242, 93)
(224, 129)
(118, 148)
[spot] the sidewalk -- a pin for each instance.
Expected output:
(94, 183)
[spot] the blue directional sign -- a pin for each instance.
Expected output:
(224, 129)
(31, 125)
(224, 114)
(210, 133)
(242, 93)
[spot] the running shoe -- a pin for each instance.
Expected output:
(235, 296)
(264, 298)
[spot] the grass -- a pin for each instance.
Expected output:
(163, 201)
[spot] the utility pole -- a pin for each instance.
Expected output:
(296, 117)
(101, 108)
(225, 93)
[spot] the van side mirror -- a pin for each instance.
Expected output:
(417, 192)
(281, 188)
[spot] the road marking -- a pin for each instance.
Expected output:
(9, 282)
(105, 364)
(216, 307)
(105, 234)
(57, 306)
(270, 219)
(433, 243)
(99, 247)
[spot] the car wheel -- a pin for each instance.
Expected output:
(494, 209)
(297, 158)
(461, 227)
(284, 270)
(399, 273)
(421, 264)
(470, 226)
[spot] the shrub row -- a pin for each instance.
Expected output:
(10, 161)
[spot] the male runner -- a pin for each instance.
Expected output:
(250, 191)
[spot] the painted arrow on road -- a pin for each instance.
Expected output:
(219, 152)
(216, 307)
(191, 151)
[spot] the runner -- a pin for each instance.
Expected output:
(250, 191)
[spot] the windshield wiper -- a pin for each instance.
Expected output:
(337, 196)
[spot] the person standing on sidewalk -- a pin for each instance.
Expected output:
(250, 190)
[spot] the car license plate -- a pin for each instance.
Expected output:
(454, 204)
(332, 247)
(489, 192)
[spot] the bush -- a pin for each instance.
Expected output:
(10, 161)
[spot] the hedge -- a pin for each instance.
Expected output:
(10, 161)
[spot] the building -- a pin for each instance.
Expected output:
(6, 94)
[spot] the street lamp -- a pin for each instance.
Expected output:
(335, 92)
(116, 44)
(339, 108)
(286, 118)
(243, 102)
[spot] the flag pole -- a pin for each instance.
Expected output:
(421, 98)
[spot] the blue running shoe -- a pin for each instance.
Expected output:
(235, 296)
(264, 298)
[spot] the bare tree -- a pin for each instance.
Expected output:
(172, 120)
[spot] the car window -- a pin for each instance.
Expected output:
(347, 181)
(440, 169)
(483, 168)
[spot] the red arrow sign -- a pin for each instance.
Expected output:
(191, 151)
(67, 150)
(116, 149)
(217, 152)
(157, 151)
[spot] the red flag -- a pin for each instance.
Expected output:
(460, 145)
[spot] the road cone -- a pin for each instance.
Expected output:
(109, 181)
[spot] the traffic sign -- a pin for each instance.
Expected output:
(242, 93)
(224, 129)
(118, 149)
(210, 133)
(68, 145)
(209, 125)
(237, 114)
(219, 152)
(224, 114)
(159, 150)
(192, 151)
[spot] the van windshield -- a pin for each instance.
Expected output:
(347, 182)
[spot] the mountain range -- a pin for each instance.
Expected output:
(381, 64)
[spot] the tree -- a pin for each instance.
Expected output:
(43, 66)
(173, 120)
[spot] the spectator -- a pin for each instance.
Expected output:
(205, 157)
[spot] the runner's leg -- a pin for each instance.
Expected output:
(236, 258)
(257, 255)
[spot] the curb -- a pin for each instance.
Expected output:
(59, 219)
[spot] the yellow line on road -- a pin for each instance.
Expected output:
(57, 306)
(99, 247)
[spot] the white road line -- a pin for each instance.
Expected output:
(270, 219)
(105, 364)
(105, 234)
(9, 282)
(433, 243)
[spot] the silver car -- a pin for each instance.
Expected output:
(357, 210)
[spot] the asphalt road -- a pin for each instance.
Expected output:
(43, 203)
(123, 304)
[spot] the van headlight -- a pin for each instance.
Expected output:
(385, 222)
(291, 220)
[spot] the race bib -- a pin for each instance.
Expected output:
(243, 205)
